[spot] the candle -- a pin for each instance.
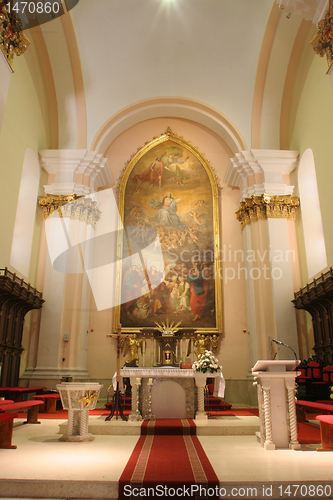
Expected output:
(150, 381)
(138, 380)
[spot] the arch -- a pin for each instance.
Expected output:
(313, 231)
(25, 214)
(176, 107)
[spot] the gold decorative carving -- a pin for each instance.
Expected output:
(267, 207)
(71, 206)
(12, 40)
(322, 43)
(167, 328)
(89, 398)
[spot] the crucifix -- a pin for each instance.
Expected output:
(116, 406)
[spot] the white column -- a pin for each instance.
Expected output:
(66, 288)
(200, 382)
(268, 256)
(134, 400)
(268, 444)
(290, 386)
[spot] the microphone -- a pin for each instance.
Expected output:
(285, 345)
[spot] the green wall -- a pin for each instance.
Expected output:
(25, 124)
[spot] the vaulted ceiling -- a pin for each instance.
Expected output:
(224, 63)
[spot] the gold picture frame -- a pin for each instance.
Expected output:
(168, 245)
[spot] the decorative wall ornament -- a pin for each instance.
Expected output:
(323, 41)
(267, 207)
(71, 206)
(12, 40)
(17, 297)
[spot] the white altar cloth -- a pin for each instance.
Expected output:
(152, 372)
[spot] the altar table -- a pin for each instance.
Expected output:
(187, 379)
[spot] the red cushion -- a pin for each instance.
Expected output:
(22, 389)
(22, 405)
(313, 364)
(47, 396)
(328, 419)
(318, 406)
(328, 368)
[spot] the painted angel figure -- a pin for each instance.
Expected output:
(167, 208)
(201, 344)
(131, 346)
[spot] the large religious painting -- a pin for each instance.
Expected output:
(168, 245)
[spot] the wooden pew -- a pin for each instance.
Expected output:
(17, 393)
(301, 406)
(32, 407)
(50, 401)
(6, 430)
(326, 432)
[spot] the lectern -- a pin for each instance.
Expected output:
(275, 380)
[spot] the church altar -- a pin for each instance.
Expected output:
(175, 392)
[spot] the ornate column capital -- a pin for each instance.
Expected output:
(322, 43)
(267, 207)
(260, 171)
(76, 171)
(71, 206)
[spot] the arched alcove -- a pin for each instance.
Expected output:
(311, 215)
(25, 214)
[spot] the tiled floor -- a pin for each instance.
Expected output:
(44, 467)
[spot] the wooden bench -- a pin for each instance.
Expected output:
(31, 407)
(17, 393)
(318, 407)
(6, 430)
(326, 432)
(50, 401)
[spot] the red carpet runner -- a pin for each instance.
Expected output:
(168, 457)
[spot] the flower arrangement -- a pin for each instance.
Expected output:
(206, 363)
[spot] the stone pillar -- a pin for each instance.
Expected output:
(267, 209)
(200, 382)
(63, 337)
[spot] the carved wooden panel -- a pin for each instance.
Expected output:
(16, 298)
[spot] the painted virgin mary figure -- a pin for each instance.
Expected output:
(167, 208)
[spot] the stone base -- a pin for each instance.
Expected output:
(269, 446)
(201, 415)
(83, 437)
(295, 446)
